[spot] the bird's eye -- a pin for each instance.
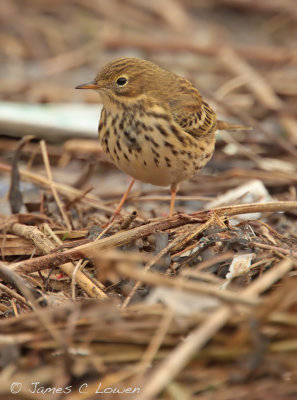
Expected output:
(122, 81)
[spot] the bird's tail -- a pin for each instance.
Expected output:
(223, 125)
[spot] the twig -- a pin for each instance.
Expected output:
(288, 252)
(155, 342)
(66, 190)
(148, 267)
(12, 293)
(162, 224)
(153, 278)
(137, 199)
(46, 246)
(53, 189)
(212, 261)
(31, 295)
(255, 207)
(190, 235)
(183, 353)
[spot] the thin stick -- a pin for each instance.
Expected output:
(155, 342)
(162, 224)
(179, 357)
(46, 246)
(183, 353)
(255, 207)
(148, 267)
(66, 190)
(138, 199)
(53, 189)
(288, 252)
(12, 293)
(154, 279)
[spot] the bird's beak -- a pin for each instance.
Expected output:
(90, 85)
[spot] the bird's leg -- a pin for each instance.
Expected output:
(120, 205)
(122, 202)
(173, 190)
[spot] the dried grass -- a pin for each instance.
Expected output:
(199, 305)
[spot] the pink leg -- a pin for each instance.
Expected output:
(122, 202)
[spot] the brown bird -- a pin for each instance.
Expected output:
(154, 125)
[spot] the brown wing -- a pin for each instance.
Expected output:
(190, 111)
(198, 123)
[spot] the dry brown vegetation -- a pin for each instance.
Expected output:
(201, 305)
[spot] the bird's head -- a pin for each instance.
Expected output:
(125, 78)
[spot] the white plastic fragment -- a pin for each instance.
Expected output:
(182, 302)
(240, 265)
(251, 192)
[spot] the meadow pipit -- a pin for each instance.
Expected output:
(154, 125)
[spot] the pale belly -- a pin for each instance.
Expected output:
(151, 154)
(149, 168)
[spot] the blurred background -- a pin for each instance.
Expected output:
(241, 54)
(49, 46)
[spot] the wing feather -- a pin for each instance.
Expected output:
(198, 123)
(190, 111)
